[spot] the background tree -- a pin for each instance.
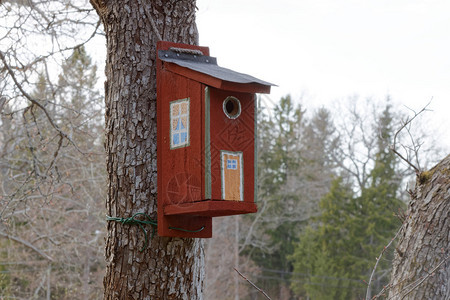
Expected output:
(294, 165)
(35, 37)
(353, 227)
(324, 253)
(279, 136)
(53, 221)
(51, 158)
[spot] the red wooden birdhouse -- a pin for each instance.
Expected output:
(206, 140)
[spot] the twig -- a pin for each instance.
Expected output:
(394, 143)
(2, 103)
(381, 293)
(37, 103)
(25, 243)
(260, 290)
(376, 264)
(31, 99)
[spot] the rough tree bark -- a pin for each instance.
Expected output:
(168, 268)
(421, 268)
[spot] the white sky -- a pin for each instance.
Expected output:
(332, 49)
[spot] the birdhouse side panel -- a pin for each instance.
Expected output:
(180, 148)
(232, 145)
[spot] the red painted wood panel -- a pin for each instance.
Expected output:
(180, 178)
(181, 171)
(233, 135)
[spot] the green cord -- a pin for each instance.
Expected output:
(140, 223)
(186, 230)
(149, 221)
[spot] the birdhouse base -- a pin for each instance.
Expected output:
(194, 220)
(211, 208)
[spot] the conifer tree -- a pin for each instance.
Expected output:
(375, 221)
(352, 229)
(295, 172)
(77, 91)
(322, 259)
(278, 160)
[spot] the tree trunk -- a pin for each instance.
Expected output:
(168, 268)
(421, 268)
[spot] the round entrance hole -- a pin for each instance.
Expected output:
(232, 107)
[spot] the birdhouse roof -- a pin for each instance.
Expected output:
(204, 69)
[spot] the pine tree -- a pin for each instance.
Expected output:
(380, 200)
(352, 229)
(313, 177)
(278, 160)
(78, 93)
(322, 259)
(296, 169)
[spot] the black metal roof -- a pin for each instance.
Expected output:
(207, 65)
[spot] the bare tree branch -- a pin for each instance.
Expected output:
(36, 102)
(378, 260)
(25, 243)
(260, 290)
(2, 103)
(415, 147)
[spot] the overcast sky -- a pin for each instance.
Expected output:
(332, 49)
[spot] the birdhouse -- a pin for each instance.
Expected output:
(206, 126)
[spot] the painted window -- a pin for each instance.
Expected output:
(179, 123)
(232, 164)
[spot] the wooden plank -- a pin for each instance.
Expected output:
(212, 208)
(206, 137)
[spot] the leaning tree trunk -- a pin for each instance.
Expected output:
(168, 268)
(421, 267)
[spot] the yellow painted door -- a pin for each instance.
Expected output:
(232, 179)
